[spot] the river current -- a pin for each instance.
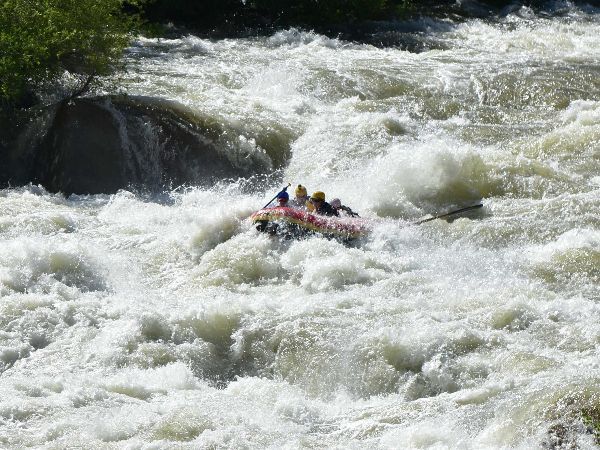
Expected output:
(166, 321)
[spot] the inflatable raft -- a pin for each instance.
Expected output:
(297, 223)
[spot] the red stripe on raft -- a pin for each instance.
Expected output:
(345, 226)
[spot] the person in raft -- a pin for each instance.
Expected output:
(283, 198)
(336, 204)
(300, 201)
(321, 206)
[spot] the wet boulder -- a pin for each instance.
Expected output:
(102, 144)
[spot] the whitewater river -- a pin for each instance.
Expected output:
(166, 321)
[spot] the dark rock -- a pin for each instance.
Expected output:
(102, 144)
(82, 152)
(473, 8)
(4, 168)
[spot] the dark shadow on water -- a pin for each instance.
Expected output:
(415, 30)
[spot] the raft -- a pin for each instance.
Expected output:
(297, 223)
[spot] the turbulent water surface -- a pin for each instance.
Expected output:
(145, 321)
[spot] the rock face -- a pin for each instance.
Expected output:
(102, 144)
(82, 152)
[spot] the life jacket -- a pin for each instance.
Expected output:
(327, 210)
(299, 203)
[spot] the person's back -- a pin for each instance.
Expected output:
(321, 206)
(327, 210)
(336, 204)
(301, 198)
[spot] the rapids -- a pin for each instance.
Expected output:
(151, 321)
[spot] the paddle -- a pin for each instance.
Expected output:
(283, 190)
(451, 213)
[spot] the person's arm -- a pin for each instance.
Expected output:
(349, 211)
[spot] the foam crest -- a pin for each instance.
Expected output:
(215, 228)
(52, 212)
(425, 177)
(566, 39)
(147, 214)
(575, 138)
(183, 424)
(426, 433)
(245, 258)
(322, 265)
(198, 339)
(341, 139)
(277, 82)
(35, 265)
(191, 45)
(211, 325)
(575, 253)
(556, 413)
(12, 351)
(142, 384)
(584, 113)
(296, 38)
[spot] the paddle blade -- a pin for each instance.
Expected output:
(448, 214)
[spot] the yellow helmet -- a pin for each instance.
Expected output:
(320, 196)
(301, 191)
